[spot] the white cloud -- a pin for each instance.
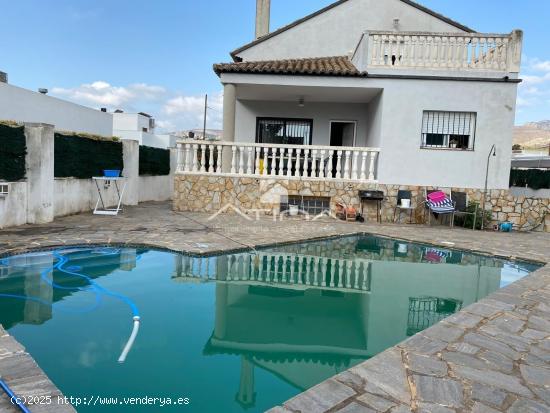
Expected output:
(543, 66)
(104, 94)
(534, 91)
(189, 110)
(173, 111)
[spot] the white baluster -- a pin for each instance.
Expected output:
(332, 271)
(306, 172)
(373, 45)
(188, 162)
(365, 275)
(340, 274)
(314, 163)
(323, 263)
(316, 262)
(249, 159)
(179, 158)
(330, 172)
(219, 159)
(195, 158)
(277, 166)
(297, 163)
(348, 274)
(322, 164)
(412, 59)
(347, 165)
(372, 165)
(289, 162)
(498, 54)
(257, 163)
(356, 276)
(241, 160)
(233, 159)
(354, 165)
(299, 270)
(338, 164)
(203, 158)
(505, 46)
(363, 175)
(211, 149)
(436, 51)
(476, 52)
(292, 259)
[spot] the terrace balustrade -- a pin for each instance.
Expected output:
(279, 269)
(278, 160)
(454, 51)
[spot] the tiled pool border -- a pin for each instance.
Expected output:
(408, 376)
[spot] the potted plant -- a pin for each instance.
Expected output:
(453, 144)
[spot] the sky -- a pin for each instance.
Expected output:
(157, 56)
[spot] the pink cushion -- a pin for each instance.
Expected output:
(437, 196)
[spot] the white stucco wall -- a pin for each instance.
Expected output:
(13, 207)
(24, 105)
(130, 122)
(403, 162)
(397, 121)
(337, 31)
(156, 188)
(72, 196)
(321, 113)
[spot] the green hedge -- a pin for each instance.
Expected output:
(532, 178)
(154, 161)
(13, 148)
(85, 156)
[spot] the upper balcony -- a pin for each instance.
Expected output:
(448, 54)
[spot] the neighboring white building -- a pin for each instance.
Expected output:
(425, 97)
(23, 105)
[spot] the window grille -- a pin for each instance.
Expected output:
(450, 130)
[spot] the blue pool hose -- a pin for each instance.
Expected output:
(13, 398)
(92, 285)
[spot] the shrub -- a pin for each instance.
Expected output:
(468, 220)
(154, 161)
(13, 148)
(85, 156)
(532, 178)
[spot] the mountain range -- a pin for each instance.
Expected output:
(533, 135)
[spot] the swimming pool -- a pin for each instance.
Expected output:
(235, 332)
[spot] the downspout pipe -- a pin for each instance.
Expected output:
(16, 401)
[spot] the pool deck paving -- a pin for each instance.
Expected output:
(493, 356)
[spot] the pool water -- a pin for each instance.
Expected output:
(232, 333)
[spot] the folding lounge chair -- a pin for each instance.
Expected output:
(442, 205)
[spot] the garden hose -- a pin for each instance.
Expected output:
(99, 291)
(16, 401)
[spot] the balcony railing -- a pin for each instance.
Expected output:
(278, 160)
(279, 269)
(424, 50)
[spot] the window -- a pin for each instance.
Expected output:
(448, 130)
(286, 131)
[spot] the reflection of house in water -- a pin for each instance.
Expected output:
(21, 275)
(305, 312)
(302, 336)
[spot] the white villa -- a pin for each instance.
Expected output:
(372, 94)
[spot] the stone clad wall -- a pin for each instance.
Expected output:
(210, 193)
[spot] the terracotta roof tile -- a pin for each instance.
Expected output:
(315, 66)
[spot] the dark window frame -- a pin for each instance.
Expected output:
(283, 119)
(473, 119)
